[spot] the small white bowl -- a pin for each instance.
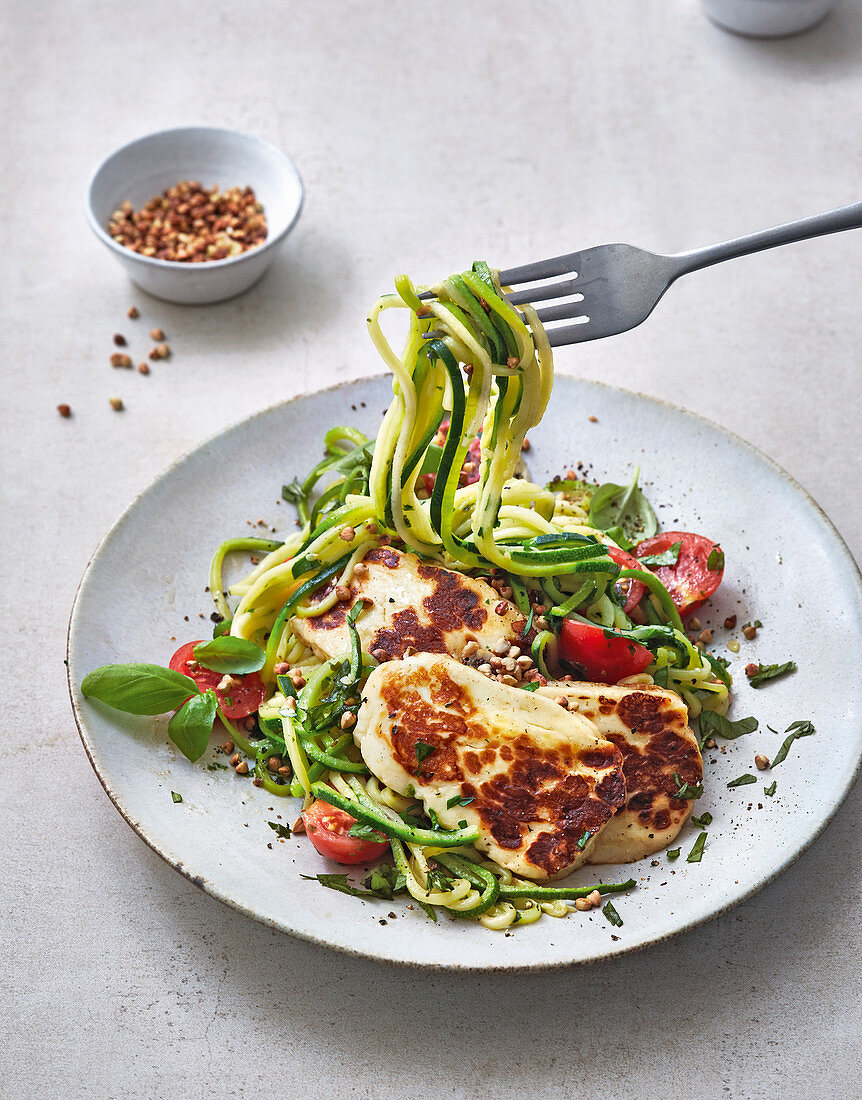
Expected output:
(148, 166)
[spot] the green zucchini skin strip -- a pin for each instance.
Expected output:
(562, 893)
(333, 763)
(426, 837)
(477, 876)
(310, 585)
(651, 581)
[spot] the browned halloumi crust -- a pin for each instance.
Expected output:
(540, 783)
(410, 604)
(649, 725)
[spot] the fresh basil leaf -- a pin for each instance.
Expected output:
(367, 832)
(584, 840)
(770, 790)
(696, 853)
(673, 853)
(619, 537)
(191, 726)
(686, 790)
(532, 686)
(423, 751)
(612, 915)
(771, 672)
(743, 780)
(459, 800)
(281, 831)
(712, 723)
(222, 628)
(623, 506)
(703, 821)
(803, 728)
(666, 557)
(229, 654)
(175, 797)
(139, 689)
(715, 561)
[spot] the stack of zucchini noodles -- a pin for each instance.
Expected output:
(489, 373)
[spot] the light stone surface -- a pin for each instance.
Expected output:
(426, 136)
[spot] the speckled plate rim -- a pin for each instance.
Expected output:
(805, 842)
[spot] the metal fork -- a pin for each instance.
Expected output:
(614, 287)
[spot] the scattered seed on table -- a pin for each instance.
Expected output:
(156, 334)
(119, 339)
(64, 410)
(143, 368)
(116, 404)
(132, 313)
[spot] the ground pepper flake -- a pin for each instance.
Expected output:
(190, 224)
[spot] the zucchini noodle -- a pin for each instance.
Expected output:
(471, 365)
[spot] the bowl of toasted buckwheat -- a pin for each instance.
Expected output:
(197, 214)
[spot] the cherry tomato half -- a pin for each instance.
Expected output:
(327, 829)
(604, 660)
(633, 590)
(690, 581)
(242, 698)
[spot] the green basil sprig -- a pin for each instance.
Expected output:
(623, 506)
(666, 557)
(139, 689)
(191, 726)
(229, 654)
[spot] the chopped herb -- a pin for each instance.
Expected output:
(771, 672)
(462, 824)
(666, 557)
(367, 832)
(533, 686)
(293, 493)
(743, 780)
(673, 853)
(715, 561)
(713, 724)
(770, 790)
(459, 800)
(582, 842)
(385, 881)
(280, 830)
(215, 766)
(612, 915)
(528, 626)
(696, 853)
(340, 883)
(423, 750)
(686, 790)
(176, 797)
(703, 820)
(802, 728)
(757, 624)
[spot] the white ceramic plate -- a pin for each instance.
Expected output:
(786, 565)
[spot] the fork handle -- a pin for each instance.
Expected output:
(833, 221)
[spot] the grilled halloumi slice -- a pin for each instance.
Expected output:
(649, 725)
(413, 604)
(539, 782)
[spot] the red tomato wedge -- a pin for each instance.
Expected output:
(633, 590)
(690, 581)
(242, 698)
(604, 660)
(328, 829)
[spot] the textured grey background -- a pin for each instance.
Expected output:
(426, 136)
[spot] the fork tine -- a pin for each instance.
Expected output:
(542, 293)
(565, 311)
(542, 269)
(573, 334)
